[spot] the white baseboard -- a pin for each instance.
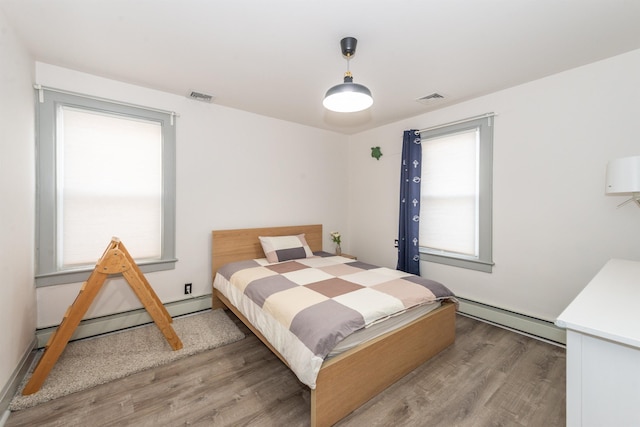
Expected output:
(4, 418)
(537, 328)
(116, 322)
(9, 390)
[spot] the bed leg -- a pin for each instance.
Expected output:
(216, 302)
(314, 410)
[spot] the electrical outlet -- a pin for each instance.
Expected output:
(187, 288)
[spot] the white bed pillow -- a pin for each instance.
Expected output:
(285, 248)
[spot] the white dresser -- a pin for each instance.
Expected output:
(603, 349)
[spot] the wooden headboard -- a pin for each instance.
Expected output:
(240, 244)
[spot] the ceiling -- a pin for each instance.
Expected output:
(278, 57)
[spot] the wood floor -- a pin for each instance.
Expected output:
(489, 377)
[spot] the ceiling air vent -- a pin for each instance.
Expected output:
(430, 98)
(199, 96)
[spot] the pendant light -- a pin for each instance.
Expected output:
(348, 97)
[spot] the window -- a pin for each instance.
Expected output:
(104, 169)
(456, 194)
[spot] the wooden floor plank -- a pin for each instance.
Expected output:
(489, 377)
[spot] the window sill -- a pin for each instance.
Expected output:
(82, 274)
(471, 264)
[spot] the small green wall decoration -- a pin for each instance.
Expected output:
(375, 152)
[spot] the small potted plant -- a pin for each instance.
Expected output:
(335, 236)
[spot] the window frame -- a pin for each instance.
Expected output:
(47, 102)
(484, 261)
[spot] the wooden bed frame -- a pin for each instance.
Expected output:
(352, 378)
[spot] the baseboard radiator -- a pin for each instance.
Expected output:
(537, 328)
(129, 319)
(511, 320)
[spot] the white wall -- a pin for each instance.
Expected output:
(554, 227)
(17, 195)
(234, 170)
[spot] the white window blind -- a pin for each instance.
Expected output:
(109, 184)
(449, 205)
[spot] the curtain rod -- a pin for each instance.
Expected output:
(468, 119)
(40, 88)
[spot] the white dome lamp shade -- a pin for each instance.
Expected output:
(623, 176)
(348, 97)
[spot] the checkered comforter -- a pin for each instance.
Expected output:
(305, 307)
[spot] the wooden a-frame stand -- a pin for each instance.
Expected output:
(116, 259)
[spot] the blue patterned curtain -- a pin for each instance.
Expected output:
(408, 254)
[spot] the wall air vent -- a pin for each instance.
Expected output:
(430, 98)
(199, 96)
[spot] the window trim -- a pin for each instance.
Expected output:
(484, 261)
(47, 101)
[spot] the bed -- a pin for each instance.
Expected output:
(346, 381)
